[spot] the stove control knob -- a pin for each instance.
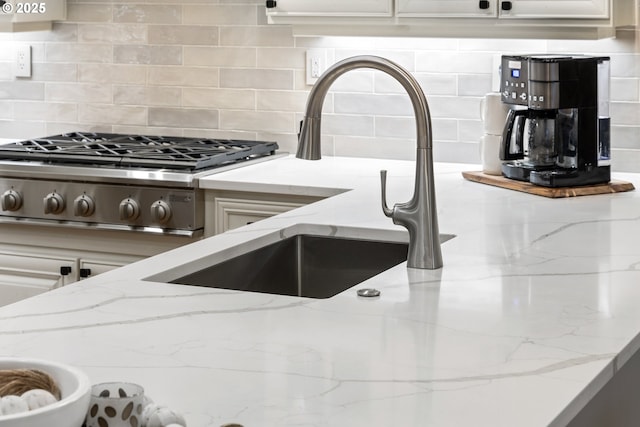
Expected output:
(160, 211)
(129, 209)
(53, 203)
(11, 200)
(84, 206)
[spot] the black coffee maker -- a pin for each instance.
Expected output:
(557, 130)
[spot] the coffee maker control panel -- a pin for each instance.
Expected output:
(514, 83)
(531, 81)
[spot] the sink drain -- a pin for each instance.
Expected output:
(368, 292)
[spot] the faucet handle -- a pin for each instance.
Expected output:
(383, 183)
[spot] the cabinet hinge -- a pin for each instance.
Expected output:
(65, 270)
(85, 272)
(506, 5)
(271, 4)
(484, 4)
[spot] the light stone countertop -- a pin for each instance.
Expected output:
(534, 309)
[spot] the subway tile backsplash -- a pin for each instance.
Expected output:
(215, 68)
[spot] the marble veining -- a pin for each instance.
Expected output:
(534, 310)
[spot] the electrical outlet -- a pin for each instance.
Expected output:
(23, 61)
(316, 64)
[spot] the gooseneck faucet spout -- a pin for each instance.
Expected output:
(419, 214)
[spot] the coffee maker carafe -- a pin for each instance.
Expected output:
(557, 130)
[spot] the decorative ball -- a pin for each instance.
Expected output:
(13, 404)
(147, 411)
(161, 416)
(37, 398)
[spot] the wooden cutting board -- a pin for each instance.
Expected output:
(614, 186)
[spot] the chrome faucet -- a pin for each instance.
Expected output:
(418, 215)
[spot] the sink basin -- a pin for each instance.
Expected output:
(306, 264)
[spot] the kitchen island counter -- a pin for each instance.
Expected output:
(534, 310)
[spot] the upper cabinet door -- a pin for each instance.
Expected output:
(448, 8)
(18, 15)
(38, 11)
(568, 9)
(330, 7)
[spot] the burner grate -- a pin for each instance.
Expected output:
(144, 151)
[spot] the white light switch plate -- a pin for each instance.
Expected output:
(23, 61)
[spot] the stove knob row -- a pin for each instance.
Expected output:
(11, 200)
(84, 206)
(130, 210)
(53, 203)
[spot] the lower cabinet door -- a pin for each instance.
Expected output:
(16, 285)
(233, 213)
(23, 275)
(93, 267)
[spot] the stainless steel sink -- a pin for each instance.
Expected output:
(305, 265)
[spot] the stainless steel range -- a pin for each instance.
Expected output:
(114, 181)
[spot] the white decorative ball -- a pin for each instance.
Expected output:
(163, 417)
(37, 398)
(13, 405)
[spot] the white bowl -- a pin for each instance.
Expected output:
(69, 411)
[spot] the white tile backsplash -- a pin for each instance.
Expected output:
(106, 114)
(79, 92)
(147, 13)
(183, 117)
(183, 35)
(259, 120)
(182, 76)
(112, 73)
(219, 14)
(232, 99)
(147, 54)
(219, 56)
(78, 53)
(112, 33)
(147, 95)
(215, 68)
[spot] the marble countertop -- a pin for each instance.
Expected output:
(534, 310)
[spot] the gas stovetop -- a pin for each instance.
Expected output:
(136, 151)
(113, 181)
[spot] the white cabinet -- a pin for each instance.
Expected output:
(542, 19)
(26, 271)
(36, 259)
(233, 209)
(555, 9)
(22, 15)
(89, 267)
(23, 275)
(518, 9)
(330, 7)
(444, 8)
